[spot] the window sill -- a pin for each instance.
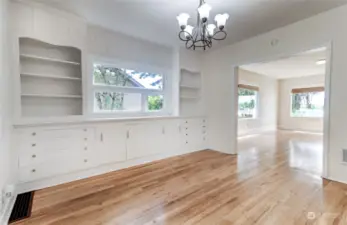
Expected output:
(245, 119)
(307, 117)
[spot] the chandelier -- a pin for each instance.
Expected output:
(204, 33)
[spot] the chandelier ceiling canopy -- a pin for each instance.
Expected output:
(204, 33)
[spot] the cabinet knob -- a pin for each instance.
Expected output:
(34, 133)
(33, 145)
(33, 170)
(85, 130)
(86, 139)
(34, 156)
(85, 160)
(85, 148)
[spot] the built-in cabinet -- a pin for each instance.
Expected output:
(54, 135)
(46, 152)
(111, 143)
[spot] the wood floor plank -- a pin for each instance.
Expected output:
(275, 179)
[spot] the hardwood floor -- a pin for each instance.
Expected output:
(273, 181)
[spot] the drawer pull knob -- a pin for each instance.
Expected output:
(33, 170)
(34, 134)
(34, 156)
(85, 160)
(86, 139)
(85, 130)
(33, 145)
(85, 148)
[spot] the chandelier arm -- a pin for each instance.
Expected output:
(185, 36)
(189, 46)
(219, 39)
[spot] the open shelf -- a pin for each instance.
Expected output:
(50, 96)
(50, 80)
(50, 76)
(35, 57)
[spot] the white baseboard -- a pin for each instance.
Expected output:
(257, 131)
(49, 182)
(335, 179)
(6, 212)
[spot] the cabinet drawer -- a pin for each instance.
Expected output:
(36, 155)
(52, 145)
(56, 167)
(54, 134)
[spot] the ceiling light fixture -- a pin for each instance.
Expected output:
(321, 62)
(202, 35)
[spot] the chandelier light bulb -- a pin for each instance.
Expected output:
(204, 11)
(183, 20)
(221, 20)
(189, 29)
(210, 29)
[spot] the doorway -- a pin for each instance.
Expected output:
(283, 105)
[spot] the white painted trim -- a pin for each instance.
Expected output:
(236, 106)
(115, 62)
(326, 119)
(5, 216)
(258, 131)
(39, 184)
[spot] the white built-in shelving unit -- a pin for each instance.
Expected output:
(190, 93)
(190, 85)
(50, 80)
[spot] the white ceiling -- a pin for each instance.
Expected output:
(303, 64)
(156, 19)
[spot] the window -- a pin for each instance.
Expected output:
(307, 102)
(248, 99)
(126, 90)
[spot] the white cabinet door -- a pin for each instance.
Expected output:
(173, 140)
(111, 144)
(145, 139)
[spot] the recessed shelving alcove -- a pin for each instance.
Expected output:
(50, 79)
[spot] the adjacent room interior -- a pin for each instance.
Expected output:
(173, 112)
(283, 101)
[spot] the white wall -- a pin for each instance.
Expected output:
(285, 121)
(314, 32)
(266, 119)
(5, 122)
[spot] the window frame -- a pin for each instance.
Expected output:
(256, 108)
(144, 112)
(310, 87)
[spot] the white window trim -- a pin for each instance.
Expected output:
(302, 117)
(91, 88)
(256, 109)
